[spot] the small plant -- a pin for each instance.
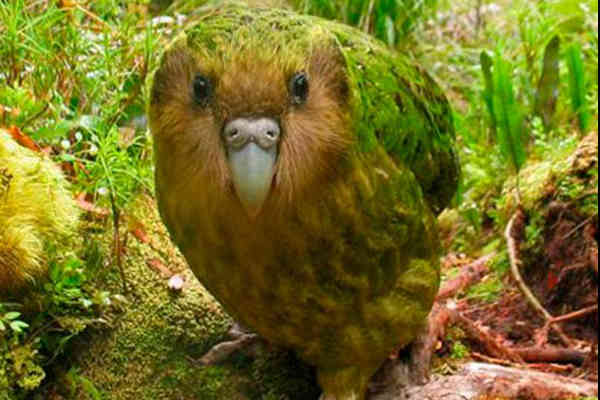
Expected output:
(505, 112)
(10, 321)
(459, 351)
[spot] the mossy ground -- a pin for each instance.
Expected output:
(148, 349)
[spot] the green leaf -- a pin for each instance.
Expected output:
(549, 84)
(508, 115)
(55, 272)
(58, 130)
(577, 86)
(89, 388)
(18, 326)
(488, 92)
(11, 316)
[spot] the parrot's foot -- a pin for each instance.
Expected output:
(345, 384)
(242, 339)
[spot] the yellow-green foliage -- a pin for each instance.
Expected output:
(36, 211)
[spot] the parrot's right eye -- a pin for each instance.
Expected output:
(202, 89)
(299, 88)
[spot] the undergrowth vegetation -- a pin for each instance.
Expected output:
(522, 77)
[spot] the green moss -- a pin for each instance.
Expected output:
(19, 369)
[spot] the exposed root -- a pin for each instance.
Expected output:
(440, 318)
(575, 314)
(518, 222)
(491, 344)
(470, 274)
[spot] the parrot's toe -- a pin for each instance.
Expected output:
(242, 339)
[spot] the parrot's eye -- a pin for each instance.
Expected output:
(202, 89)
(299, 88)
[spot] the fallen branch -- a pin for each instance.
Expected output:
(551, 355)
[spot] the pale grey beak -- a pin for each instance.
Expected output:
(252, 147)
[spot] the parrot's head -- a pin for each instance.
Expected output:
(259, 116)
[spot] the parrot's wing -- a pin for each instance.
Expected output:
(400, 107)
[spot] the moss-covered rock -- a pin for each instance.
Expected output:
(37, 211)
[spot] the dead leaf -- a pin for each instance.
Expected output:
(23, 139)
(67, 4)
(160, 267)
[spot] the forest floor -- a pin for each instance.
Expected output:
(517, 315)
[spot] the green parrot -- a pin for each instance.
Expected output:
(300, 165)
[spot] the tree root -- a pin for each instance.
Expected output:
(471, 274)
(517, 371)
(513, 231)
(440, 318)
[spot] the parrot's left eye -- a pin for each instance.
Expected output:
(299, 88)
(202, 89)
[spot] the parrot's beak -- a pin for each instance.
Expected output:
(252, 147)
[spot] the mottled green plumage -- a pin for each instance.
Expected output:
(348, 270)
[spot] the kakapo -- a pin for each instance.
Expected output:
(300, 165)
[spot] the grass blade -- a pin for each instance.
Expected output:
(549, 84)
(488, 92)
(508, 115)
(577, 86)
